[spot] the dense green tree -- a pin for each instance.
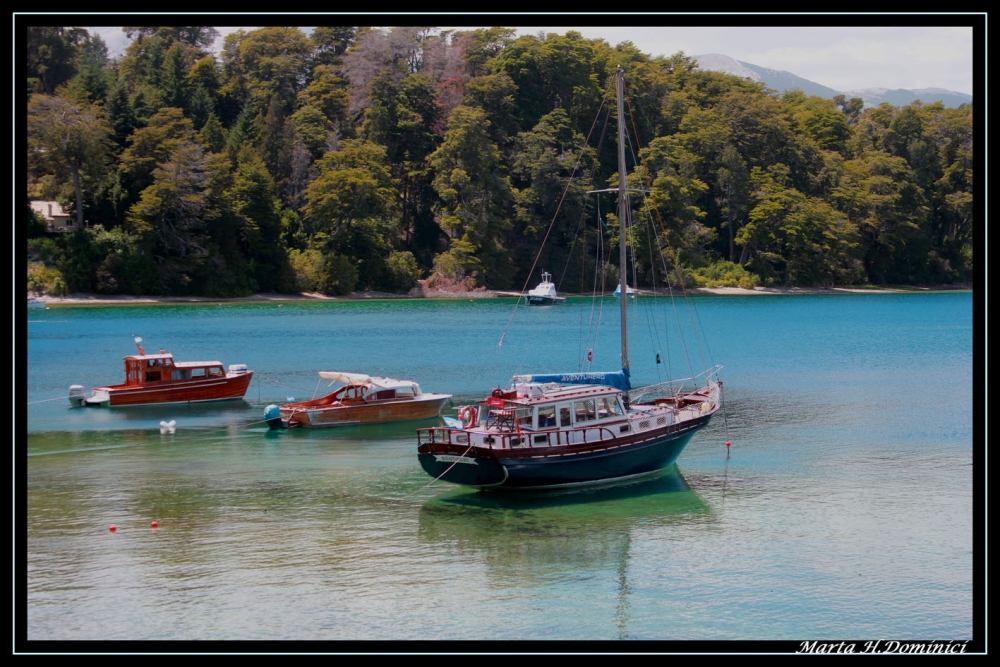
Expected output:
(152, 145)
(204, 74)
(52, 56)
(476, 199)
(327, 93)
(95, 75)
(275, 63)
(213, 135)
(313, 129)
(200, 107)
(276, 142)
(330, 43)
(171, 217)
(68, 140)
(548, 168)
(243, 133)
(676, 191)
(797, 239)
(483, 45)
(496, 96)
(880, 196)
(258, 213)
(354, 183)
(401, 117)
(234, 93)
(120, 115)
(732, 194)
(554, 71)
(200, 37)
(820, 120)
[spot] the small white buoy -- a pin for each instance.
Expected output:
(168, 427)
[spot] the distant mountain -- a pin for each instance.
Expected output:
(901, 97)
(781, 81)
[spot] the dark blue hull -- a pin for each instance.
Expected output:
(545, 300)
(533, 468)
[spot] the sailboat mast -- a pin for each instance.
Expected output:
(622, 213)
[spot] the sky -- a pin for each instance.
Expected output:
(843, 58)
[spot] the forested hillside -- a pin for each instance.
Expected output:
(353, 158)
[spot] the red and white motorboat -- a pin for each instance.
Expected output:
(152, 379)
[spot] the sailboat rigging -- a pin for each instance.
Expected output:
(569, 429)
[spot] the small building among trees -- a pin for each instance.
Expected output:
(56, 219)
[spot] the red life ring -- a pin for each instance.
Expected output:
(468, 416)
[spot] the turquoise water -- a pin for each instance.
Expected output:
(844, 509)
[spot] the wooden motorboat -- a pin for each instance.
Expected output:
(152, 379)
(363, 399)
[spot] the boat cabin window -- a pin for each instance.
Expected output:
(406, 392)
(352, 392)
(565, 416)
(152, 376)
(197, 372)
(178, 374)
(215, 371)
(384, 395)
(546, 416)
(585, 410)
(608, 407)
(524, 417)
(168, 362)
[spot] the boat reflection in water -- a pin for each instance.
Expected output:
(491, 521)
(538, 537)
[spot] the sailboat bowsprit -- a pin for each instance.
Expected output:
(569, 429)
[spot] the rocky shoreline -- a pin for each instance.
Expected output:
(425, 293)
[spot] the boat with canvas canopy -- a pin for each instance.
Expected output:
(363, 399)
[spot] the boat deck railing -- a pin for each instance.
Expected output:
(677, 386)
(451, 436)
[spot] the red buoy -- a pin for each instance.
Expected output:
(113, 528)
(153, 524)
(727, 443)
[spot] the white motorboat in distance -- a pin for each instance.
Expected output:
(545, 294)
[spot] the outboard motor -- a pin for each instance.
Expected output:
(273, 416)
(77, 396)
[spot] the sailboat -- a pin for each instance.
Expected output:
(557, 430)
(545, 294)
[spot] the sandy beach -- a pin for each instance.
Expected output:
(417, 293)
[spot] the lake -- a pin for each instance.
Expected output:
(843, 509)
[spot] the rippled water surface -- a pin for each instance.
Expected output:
(844, 508)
